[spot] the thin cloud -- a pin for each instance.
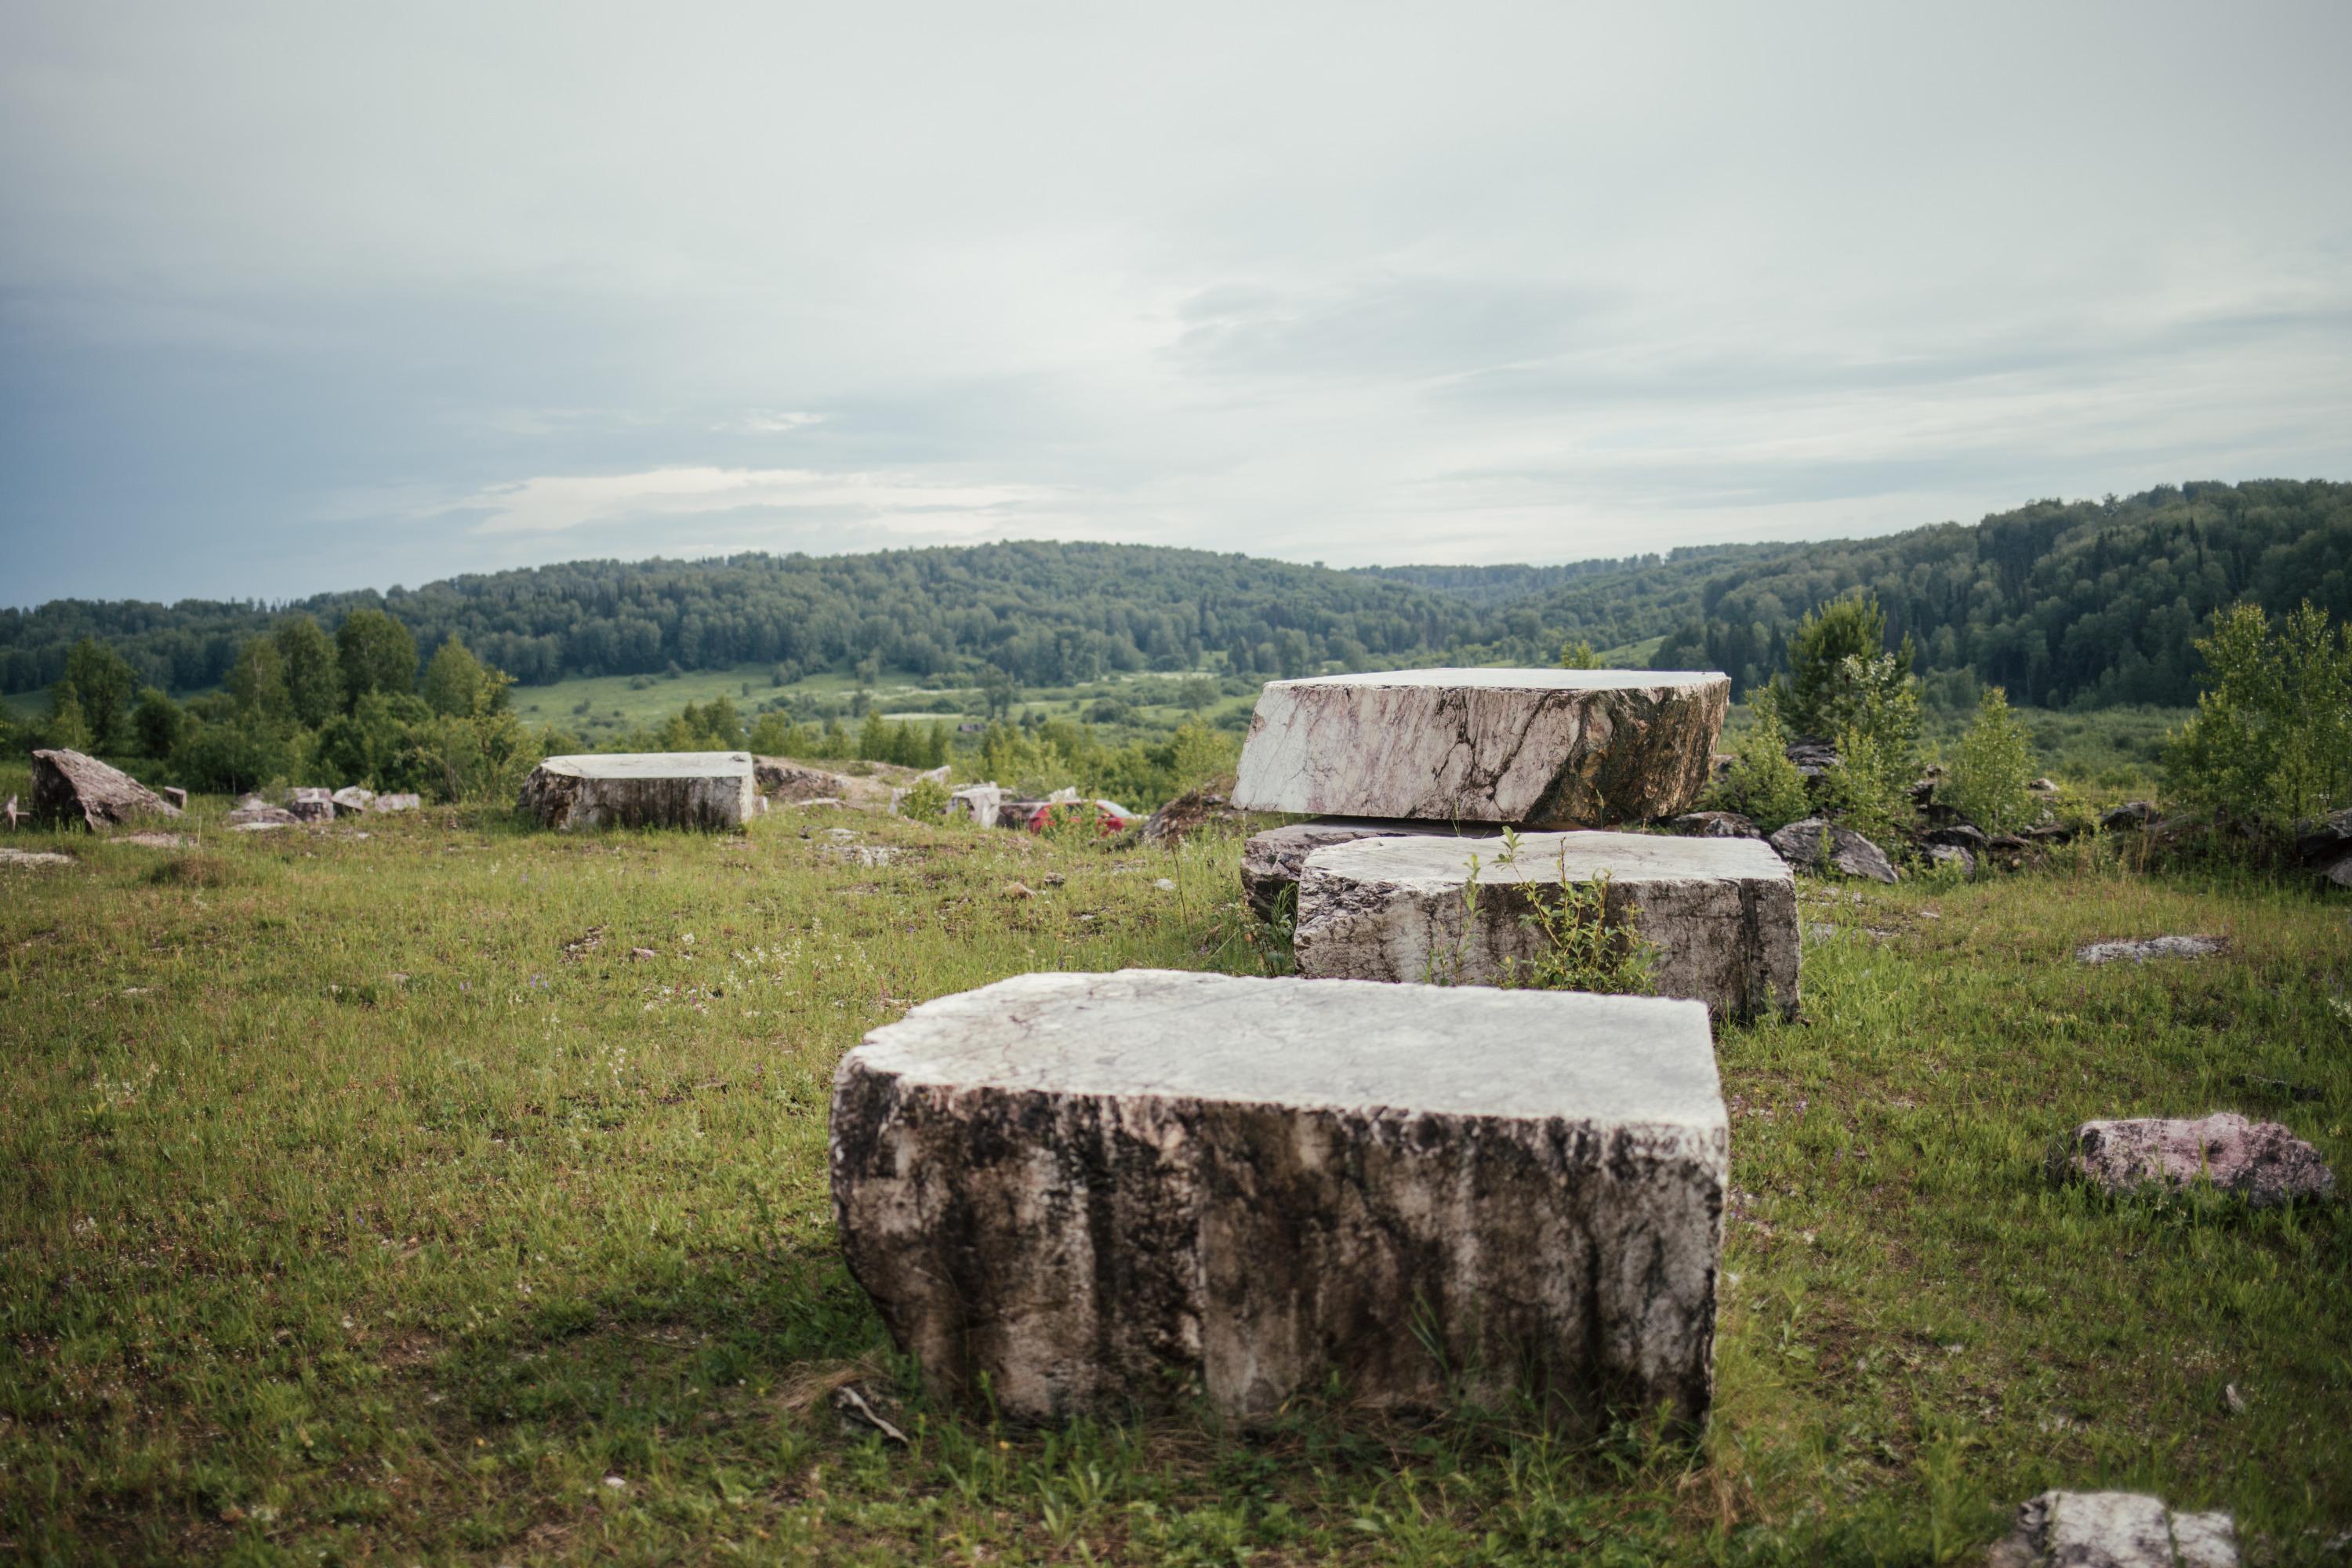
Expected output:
(558, 503)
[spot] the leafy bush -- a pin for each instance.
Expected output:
(1578, 655)
(1583, 949)
(1873, 707)
(926, 798)
(1992, 767)
(1817, 696)
(2270, 742)
(1761, 784)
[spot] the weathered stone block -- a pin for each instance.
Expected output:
(68, 787)
(1272, 860)
(642, 789)
(1721, 912)
(1105, 1189)
(2113, 1529)
(1542, 748)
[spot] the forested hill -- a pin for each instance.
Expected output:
(2059, 601)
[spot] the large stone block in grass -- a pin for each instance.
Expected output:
(643, 789)
(1541, 748)
(1103, 1190)
(1272, 860)
(1720, 913)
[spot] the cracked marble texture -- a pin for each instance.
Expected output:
(1102, 1190)
(1542, 748)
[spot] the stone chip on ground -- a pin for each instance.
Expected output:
(1720, 913)
(1821, 847)
(11, 857)
(68, 786)
(2143, 949)
(2261, 1162)
(642, 789)
(2113, 1529)
(1102, 1189)
(1541, 748)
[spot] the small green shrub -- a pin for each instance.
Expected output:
(1578, 655)
(1816, 697)
(1992, 767)
(1583, 950)
(2270, 742)
(1761, 784)
(926, 798)
(1875, 711)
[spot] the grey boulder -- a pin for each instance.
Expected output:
(73, 788)
(1821, 847)
(1542, 748)
(1099, 1190)
(2261, 1162)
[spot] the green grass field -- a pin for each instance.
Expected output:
(368, 1196)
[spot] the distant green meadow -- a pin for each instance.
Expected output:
(428, 1189)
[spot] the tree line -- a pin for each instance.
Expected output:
(2090, 603)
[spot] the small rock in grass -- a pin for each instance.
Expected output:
(34, 858)
(2130, 815)
(1821, 847)
(2143, 949)
(2113, 1529)
(310, 804)
(1018, 890)
(2261, 1162)
(1166, 884)
(1952, 856)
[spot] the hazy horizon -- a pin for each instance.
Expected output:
(295, 300)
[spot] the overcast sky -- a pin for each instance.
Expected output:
(314, 297)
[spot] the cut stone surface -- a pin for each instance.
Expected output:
(1721, 912)
(2144, 949)
(1101, 1189)
(351, 797)
(70, 787)
(252, 811)
(2113, 1529)
(1542, 748)
(1822, 847)
(1272, 860)
(642, 789)
(2261, 1162)
(391, 803)
(9, 856)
